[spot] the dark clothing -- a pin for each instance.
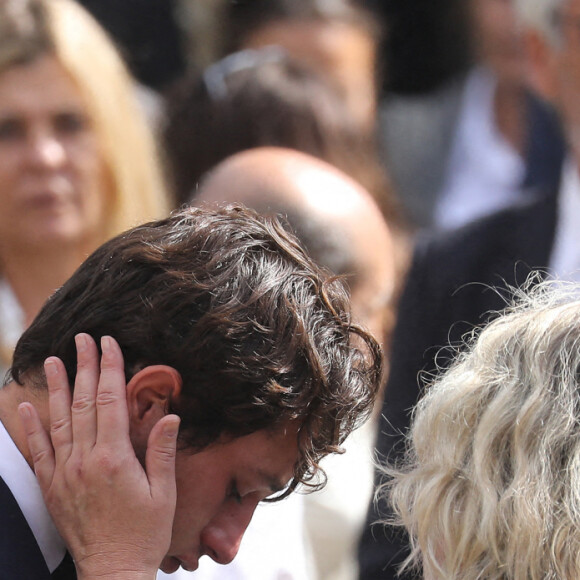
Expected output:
(20, 556)
(66, 569)
(450, 289)
(147, 33)
(545, 146)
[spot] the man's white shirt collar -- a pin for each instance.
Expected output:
(22, 482)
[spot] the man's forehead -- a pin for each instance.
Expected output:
(267, 461)
(269, 452)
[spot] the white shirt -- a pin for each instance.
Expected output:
(565, 257)
(22, 482)
(484, 172)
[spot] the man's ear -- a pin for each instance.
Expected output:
(148, 394)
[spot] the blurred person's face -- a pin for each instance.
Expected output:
(51, 169)
(344, 54)
(559, 68)
(497, 38)
(568, 69)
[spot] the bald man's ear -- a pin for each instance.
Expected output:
(148, 395)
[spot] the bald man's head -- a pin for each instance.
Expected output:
(334, 217)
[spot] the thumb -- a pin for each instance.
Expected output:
(160, 457)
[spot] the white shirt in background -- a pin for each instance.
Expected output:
(485, 173)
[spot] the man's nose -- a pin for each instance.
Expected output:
(221, 538)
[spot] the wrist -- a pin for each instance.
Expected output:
(113, 572)
(120, 575)
(116, 565)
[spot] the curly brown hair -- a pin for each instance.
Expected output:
(258, 332)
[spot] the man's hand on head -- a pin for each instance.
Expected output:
(114, 515)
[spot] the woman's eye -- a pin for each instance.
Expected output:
(70, 123)
(11, 129)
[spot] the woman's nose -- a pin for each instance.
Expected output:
(47, 151)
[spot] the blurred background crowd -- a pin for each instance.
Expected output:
(416, 147)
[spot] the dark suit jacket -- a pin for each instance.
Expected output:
(20, 556)
(449, 290)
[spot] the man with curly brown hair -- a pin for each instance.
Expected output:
(223, 321)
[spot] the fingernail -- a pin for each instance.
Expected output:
(170, 430)
(105, 343)
(24, 411)
(50, 367)
(81, 342)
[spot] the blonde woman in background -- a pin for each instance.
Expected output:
(491, 488)
(78, 162)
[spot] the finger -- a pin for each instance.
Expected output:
(83, 410)
(112, 412)
(160, 458)
(59, 407)
(41, 450)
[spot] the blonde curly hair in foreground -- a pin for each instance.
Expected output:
(491, 484)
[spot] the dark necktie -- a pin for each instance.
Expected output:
(66, 569)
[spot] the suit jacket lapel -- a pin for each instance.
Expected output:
(66, 570)
(20, 556)
(533, 233)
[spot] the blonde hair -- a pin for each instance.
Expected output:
(32, 28)
(491, 484)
